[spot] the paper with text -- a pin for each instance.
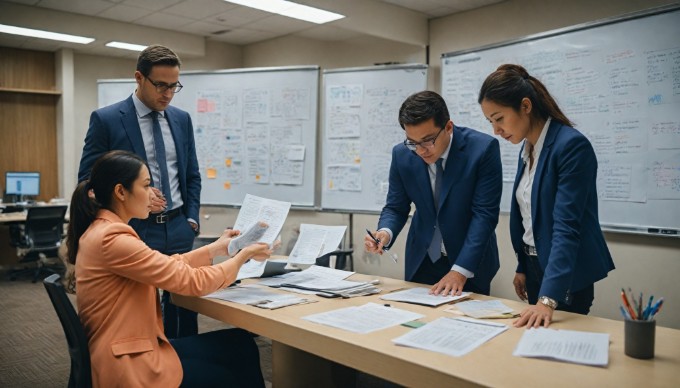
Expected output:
(579, 347)
(256, 209)
(421, 295)
(364, 319)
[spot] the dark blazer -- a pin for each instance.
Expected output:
(567, 234)
(469, 204)
(115, 127)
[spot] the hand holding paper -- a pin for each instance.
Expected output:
(250, 236)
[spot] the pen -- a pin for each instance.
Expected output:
(639, 312)
(392, 255)
(656, 309)
(625, 303)
(624, 313)
(648, 309)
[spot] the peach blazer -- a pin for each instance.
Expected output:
(117, 277)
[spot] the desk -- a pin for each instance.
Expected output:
(301, 349)
(15, 217)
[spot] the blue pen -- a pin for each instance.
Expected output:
(624, 313)
(656, 308)
(648, 309)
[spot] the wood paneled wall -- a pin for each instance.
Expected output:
(28, 118)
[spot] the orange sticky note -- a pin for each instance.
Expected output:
(227, 185)
(211, 173)
(330, 184)
(257, 177)
(227, 162)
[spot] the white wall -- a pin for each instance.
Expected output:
(648, 264)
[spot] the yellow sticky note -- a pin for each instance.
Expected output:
(211, 173)
(227, 162)
(357, 160)
(330, 184)
(227, 185)
(257, 177)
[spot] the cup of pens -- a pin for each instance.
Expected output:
(639, 325)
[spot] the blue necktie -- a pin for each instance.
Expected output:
(435, 249)
(159, 148)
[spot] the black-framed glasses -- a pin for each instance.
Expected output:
(427, 144)
(162, 87)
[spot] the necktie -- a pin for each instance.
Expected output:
(159, 148)
(435, 249)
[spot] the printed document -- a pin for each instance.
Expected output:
(453, 336)
(364, 319)
(256, 296)
(315, 241)
(421, 295)
(579, 347)
(484, 309)
(256, 209)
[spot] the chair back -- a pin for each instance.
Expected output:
(81, 376)
(45, 227)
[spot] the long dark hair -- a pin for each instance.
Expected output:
(509, 84)
(112, 168)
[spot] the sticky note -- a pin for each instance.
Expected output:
(257, 177)
(227, 162)
(211, 173)
(227, 185)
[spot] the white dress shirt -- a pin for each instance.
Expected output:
(526, 183)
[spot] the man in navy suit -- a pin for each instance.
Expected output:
(453, 175)
(162, 135)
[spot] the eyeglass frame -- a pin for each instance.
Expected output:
(413, 146)
(174, 87)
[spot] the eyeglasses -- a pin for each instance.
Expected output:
(427, 144)
(162, 87)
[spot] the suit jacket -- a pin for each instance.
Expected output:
(469, 204)
(119, 307)
(115, 127)
(565, 223)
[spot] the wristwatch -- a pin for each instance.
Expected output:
(550, 302)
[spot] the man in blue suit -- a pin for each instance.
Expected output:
(453, 176)
(162, 135)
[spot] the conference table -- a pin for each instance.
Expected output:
(307, 354)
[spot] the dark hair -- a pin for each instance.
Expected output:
(109, 170)
(156, 55)
(422, 106)
(510, 84)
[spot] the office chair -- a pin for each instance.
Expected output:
(81, 376)
(343, 258)
(40, 236)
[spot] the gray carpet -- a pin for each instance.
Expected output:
(33, 350)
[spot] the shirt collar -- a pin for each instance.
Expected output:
(539, 144)
(142, 110)
(445, 155)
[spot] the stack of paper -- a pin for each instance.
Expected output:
(484, 309)
(453, 336)
(421, 295)
(257, 296)
(323, 281)
(364, 319)
(579, 347)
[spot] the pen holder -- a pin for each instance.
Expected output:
(639, 338)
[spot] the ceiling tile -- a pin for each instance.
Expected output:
(279, 24)
(243, 36)
(85, 7)
(154, 5)
(199, 9)
(203, 28)
(124, 13)
(238, 16)
(163, 20)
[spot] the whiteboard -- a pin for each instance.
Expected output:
(360, 127)
(255, 130)
(619, 81)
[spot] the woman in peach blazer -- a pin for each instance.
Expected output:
(117, 279)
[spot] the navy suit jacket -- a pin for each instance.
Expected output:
(566, 227)
(469, 204)
(115, 127)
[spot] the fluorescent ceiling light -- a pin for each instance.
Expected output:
(290, 9)
(126, 46)
(44, 34)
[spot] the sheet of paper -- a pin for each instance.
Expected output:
(421, 295)
(579, 347)
(453, 336)
(364, 319)
(334, 236)
(251, 269)
(483, 308)
(315, 241)
(257, 296)
(256, 209)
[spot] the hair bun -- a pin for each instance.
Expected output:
(517, 69)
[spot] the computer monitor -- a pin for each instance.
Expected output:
(22, 183)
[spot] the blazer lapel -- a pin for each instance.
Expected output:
(176, 134)
(128, 117)
(553, 128)
(455, 165)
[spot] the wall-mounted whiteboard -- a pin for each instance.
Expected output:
(360, 127)
(255, 130)
(619, 81)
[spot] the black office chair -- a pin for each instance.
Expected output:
(81, 376)
(38, 238)
(343, 259)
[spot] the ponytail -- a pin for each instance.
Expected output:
(83, 211)
(510, 84)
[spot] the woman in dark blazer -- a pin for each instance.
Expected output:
(554, 225)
